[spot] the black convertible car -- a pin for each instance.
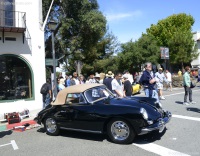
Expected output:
(93, 108)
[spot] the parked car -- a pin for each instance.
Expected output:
(93, 108)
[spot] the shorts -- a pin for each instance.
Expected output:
(159, 85)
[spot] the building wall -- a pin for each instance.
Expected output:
(196, 37)
(34, 54)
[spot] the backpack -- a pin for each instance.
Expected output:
(44, 89)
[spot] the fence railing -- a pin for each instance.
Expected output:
(15, 19)
(12, 19)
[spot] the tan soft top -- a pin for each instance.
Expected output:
(60, 99)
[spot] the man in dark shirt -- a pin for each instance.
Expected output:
(47, 96)
(148, 80)
(127, 86)
(107, 81)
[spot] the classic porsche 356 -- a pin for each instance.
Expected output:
(93, 108)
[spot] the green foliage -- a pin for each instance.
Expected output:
(175, 33)
(134, 54)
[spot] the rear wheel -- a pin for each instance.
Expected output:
(120, 132)
(51, 126)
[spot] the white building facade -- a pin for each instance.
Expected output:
(196, 36)
(22, 55)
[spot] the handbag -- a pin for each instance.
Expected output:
(192, 84)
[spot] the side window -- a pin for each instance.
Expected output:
(75, 98)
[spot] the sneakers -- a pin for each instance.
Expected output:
(192, 102)
(162, 98)
(185, 103)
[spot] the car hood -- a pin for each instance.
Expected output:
(138, 102)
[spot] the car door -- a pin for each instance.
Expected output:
(78, 114)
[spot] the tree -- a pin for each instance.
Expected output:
(134, 54)
(175, 33)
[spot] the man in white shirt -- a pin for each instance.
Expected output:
(117, 85)
(169, 79)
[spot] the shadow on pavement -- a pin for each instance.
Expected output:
(179, 102)
(3, 133)
(149, 138)
(83, 135)
(192, 109)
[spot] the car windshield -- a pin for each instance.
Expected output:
(97, 93)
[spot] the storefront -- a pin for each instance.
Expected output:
(16, 78)
(22, 55)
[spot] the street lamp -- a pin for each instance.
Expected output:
(52, 26)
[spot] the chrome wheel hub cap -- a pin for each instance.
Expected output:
(120, 130)
(51, 125)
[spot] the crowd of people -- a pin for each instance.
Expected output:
(122, 84)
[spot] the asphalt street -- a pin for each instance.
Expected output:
(181, 137)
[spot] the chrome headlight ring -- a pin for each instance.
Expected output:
(144, 113)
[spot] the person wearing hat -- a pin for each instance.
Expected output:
(97, 77)
(161, 78)
(127, 86)
(107, 81)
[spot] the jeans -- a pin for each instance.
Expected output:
(154, 94)
(188, 90)
(46, 99)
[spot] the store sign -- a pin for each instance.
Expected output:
(49, 62)
(164, 53)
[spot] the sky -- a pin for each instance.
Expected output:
(128, 19)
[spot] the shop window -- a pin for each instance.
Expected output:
(15, 79)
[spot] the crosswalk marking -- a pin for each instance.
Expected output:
(157, 149)
(185, 117)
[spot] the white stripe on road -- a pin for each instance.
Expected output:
(14, 145)
(185, 117)
(181, 93)
(157, 149)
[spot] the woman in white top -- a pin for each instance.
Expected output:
(169, 79)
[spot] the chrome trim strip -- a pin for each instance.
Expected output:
(81, 130)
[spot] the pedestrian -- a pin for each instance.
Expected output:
(161, 78)
(66, 78)
(187, 86)
(97, 77)
(46, 91)
(128, 89)
(74, 80)
(117, 86)
(148, 80)
(92, 79)
(107, 81)
(179, 73)
(130, 76)
(81, 79)
(102, 77)
(169, 79)
(61, 85)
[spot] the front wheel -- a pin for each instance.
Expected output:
(51, 126)
(120, 132)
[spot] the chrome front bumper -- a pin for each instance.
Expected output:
(160, 125)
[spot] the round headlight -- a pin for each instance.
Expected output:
(144, 113)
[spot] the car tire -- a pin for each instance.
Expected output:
(51, 126)
(120, 131)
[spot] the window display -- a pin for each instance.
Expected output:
(15, 79)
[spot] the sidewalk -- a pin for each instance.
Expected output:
(4, 126)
